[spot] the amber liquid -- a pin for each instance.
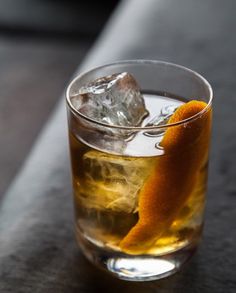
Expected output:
(106, 193)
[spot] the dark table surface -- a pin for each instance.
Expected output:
(37, 247)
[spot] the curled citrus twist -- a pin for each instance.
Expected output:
(171, 182)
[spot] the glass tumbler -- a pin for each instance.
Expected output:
(139, 191)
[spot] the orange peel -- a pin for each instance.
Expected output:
(171, 182)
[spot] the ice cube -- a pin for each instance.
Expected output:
(115, 100)
(161, 119)
(112, 182)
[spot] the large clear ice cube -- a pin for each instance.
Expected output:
(115, 100)
(112, 182)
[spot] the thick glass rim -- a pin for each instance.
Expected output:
(146, 62)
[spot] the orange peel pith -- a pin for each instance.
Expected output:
(173, 178)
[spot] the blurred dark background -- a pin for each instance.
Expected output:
(41, 44)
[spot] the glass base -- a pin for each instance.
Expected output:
(136, 268)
